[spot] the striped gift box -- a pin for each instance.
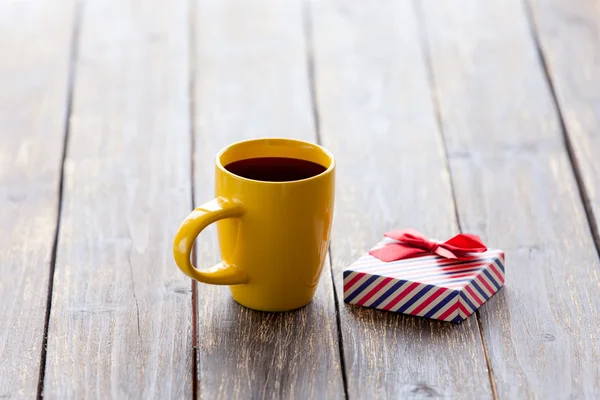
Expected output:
(429, 286)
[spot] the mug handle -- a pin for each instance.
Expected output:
(189, 230)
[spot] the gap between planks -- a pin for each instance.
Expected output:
(310, 67)
(192, 114)
(74, 50)
(583, 194)
(426, 50)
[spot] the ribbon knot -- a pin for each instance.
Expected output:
(432, 246)
(411, 243)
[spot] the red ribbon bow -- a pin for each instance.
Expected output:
(412, 243)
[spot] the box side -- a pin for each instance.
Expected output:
(369, 290)
(478, 291)
(436, 303)
(351, 281)
(491, 277)
(497, 270)
(402, 296)
(488, 281)
(466, 306)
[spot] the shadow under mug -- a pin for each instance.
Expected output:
(273, 236)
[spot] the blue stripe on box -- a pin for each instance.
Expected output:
(387, 294)
(498, 262)
(466, 299)
(485, 296)
(360, 289)
(414, 298)
(441, 305)
(457, 319)
(491, 278)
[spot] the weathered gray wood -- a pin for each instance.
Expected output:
(121, 311)
(569, 35)
(377, 117)
(515, 187)
(252, 81)
(35, 42)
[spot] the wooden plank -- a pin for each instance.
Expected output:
(121, 311)
(569, 35)
(35, 40)
(515, 187)
(377, 116)
(252, 81)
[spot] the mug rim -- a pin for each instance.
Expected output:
(281, 140)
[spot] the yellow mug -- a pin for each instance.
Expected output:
(273, 235)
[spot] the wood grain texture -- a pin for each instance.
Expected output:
(35, 41)
(569, 35)
(377, 117)
(515, 187)
(252, 81)
(121, 313)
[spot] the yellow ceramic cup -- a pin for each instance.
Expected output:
(273, 235)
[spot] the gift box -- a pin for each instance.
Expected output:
(429, 279)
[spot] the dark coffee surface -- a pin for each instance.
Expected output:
(275, 169)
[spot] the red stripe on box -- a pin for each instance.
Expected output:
(496, 272)
(376, 289)
(449, 311)
(474, 296)
(353, 281)
(402, 295)
(484, 283)
(462, 308)
(431, 298)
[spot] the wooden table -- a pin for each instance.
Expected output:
(470, 115)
